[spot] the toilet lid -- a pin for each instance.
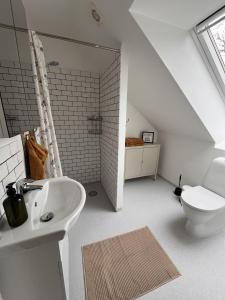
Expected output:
(202, 199)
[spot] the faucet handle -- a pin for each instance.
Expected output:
(20, 183)
(23, 186)
(30, 187)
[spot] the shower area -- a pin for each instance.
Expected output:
(84, 86)
(84, 91)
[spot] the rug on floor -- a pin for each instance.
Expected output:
(126, 266)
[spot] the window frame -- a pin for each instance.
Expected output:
(212, 57)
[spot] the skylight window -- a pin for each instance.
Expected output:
(218, 34)
(211, 34)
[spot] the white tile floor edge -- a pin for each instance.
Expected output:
(151, 203)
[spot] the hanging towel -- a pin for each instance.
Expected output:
(37, 156)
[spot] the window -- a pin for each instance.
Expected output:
(211, 34)
(217, 33)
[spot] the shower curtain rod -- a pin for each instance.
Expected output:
(59, 37)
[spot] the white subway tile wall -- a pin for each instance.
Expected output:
(74, 98)
(109, 110)
(18, 97)
(12, 165)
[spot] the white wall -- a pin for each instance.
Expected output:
(154, 92)
(136, 123)
(8, 50)
(3, 127)
(124, 63)
(109, 139)
(183, 153)
(183, 60)
(12, 166)
(187, 156)
(5, 13)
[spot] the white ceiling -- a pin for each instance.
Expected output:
(151, 87)
(181, 13)
(155, 93)
(69, 18)
(75, 56)
(73, 19)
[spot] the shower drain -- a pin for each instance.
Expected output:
(47, 217)
(93, 193)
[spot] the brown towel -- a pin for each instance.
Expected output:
(133, 142)
(37, 157)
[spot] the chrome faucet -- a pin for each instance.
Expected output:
(23, 186)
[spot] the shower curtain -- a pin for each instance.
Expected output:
(47, 130)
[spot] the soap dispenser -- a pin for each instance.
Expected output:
(14, 206)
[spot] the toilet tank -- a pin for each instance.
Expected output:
(214, 179)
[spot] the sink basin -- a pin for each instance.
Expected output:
(63, 197)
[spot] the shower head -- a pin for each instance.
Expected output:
(53, 63)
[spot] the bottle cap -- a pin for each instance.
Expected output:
(10, 189)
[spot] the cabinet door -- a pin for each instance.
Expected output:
(133, 163)
(150, 161)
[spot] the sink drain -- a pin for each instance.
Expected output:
(93, 193)
(47, 217)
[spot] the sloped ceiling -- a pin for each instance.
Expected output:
(180, 54)
(151, 87)
(179, 13)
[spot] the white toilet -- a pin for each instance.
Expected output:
(204, 206)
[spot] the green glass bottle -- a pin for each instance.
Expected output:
(15, 207)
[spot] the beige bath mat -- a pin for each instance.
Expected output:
(126, 266)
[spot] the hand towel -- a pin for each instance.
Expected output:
(37, 156)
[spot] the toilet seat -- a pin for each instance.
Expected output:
(202, 199)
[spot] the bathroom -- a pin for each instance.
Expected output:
(111, 81)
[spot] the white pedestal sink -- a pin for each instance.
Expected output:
(34, 257)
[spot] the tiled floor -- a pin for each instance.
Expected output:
(151, 203)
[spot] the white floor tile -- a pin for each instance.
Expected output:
(151, 203)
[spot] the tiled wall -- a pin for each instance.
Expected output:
(74, 98)
(18, 97)
(75, 95)
(109, 110)
(12, 165)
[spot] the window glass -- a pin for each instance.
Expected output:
(218, 35)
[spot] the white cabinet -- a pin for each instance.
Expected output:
(141, 161)
(133, 162)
